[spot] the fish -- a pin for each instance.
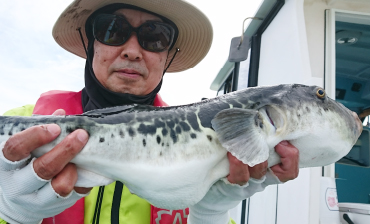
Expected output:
(171, 156)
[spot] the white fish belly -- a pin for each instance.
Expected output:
(171, 176)
(176, 186)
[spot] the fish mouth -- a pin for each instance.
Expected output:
(268, 115)
(273, 116)
(359, 125)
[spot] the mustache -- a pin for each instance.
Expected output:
(132, 67)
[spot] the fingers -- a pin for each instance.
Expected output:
(239, 172)
(53, 162)
(21, 144)
(259, 170)
(63, 183)
(59, 112)
(65, 180)
(82, 190)
(288, 169)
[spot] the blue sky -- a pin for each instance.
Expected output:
(32, 63)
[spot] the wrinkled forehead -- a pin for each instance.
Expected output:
(136, 17)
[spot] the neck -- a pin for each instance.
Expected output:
(96, 96)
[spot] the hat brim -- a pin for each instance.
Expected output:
(195, 30)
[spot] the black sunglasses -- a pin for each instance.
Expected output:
(115, 30)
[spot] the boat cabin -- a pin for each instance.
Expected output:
(313, 42)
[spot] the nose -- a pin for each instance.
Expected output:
(132, 49)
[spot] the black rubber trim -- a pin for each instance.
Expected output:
(254, 63)
(235, 78)
(256, 44)
(244, 207)
(116, 202)
(276, 204)
(99, 202)
(249, 205)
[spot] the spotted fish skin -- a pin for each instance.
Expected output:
(172, 155)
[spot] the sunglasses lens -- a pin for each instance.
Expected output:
(155, 36)
(111, 30)
(115, 30)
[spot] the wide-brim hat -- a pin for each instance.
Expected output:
(194, 38)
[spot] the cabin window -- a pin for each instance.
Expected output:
(351, 72)
(226, 86)
(347, 79)
(234, 80)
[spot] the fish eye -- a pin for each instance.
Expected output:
(320, 93)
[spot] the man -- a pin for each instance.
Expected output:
(130, 45)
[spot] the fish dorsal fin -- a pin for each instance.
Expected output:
(117, 110)
(240, 132)
(108, 111)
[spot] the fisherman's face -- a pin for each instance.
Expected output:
(129, 68)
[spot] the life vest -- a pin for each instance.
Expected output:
(84, 211)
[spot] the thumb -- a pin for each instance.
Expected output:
(59, 112)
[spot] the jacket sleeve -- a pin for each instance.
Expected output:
(213, 208)
(19, 111)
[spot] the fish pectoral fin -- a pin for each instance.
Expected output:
(240, 132)
(87, 178)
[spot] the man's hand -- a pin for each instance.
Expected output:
(287, 170)
(26, 196)
(54, 164)
(240, 172)
(214, 206)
